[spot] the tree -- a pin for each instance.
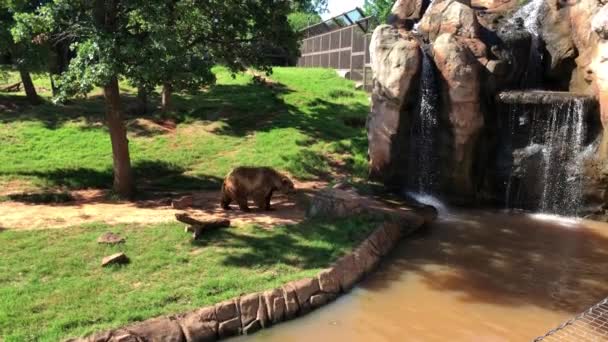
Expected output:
(25, 55)
(381, 9)
(173, 43)
(301, 20)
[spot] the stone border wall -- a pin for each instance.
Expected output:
(249, 313)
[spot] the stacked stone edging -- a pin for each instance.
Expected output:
(249, 313)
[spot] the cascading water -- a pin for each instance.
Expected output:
(529, 15)
(423, 158)
(562, 190)
(547, 171)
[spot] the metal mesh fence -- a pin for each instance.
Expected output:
(346, 49)
(590, 326)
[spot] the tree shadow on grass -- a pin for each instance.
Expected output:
(505, 260)
(242, 108)
(283, 245)
(16, 108)
(151, 175)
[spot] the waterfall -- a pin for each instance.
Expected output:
(528, 14)
(423, 149)
(562, 191)
(548, 169)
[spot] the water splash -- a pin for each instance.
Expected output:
(442, 209)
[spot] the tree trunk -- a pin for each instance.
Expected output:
(166, 104)
(142, 101)
(123, 175)
(54, 88)
(28, 85)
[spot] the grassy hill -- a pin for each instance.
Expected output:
(308, 122)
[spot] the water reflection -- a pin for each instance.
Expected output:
(471, 276)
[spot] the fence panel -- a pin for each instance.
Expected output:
(345, 49)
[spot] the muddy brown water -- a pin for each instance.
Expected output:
(471, 276)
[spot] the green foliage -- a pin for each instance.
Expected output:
(163, 42)
(26, 54)
(310, 6)
(301, 20)
(381, 9)
(52, 286)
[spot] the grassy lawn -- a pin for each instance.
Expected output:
(52, 286)
(308, 124)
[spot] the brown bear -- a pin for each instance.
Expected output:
(256, 182)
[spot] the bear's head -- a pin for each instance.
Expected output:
(287, 186)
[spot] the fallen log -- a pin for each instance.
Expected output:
(12, 88)
(197, 227)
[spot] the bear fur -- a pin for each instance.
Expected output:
(257, 183)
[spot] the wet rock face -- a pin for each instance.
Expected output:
(396, 62)
(513, 53)
(459, 54)
(555, 31)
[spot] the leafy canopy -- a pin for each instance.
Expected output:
(381, 9)
(152, 42)
(301, 20)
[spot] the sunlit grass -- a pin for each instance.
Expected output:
(297, 126)
(53, 287)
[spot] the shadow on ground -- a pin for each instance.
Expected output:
(510, 260)
(282, 246)
(151, 176)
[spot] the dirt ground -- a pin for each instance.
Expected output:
(92, 206)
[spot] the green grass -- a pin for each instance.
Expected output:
(303, 125)
(52, 286)
(308, 123)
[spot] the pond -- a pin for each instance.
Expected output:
(470, 276)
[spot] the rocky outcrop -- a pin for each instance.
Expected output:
(570, 41)
(461, 73)
(449, 16)
(405, 12)
(555, 31)
(453, 30)
(495, 6)
(396, 61)
(600, 69)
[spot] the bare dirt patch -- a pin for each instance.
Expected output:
(93, 206)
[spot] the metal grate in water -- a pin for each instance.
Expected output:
(591, 325)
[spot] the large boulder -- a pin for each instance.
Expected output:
(404, 12)
(555, 31)
(570, 42)
(461, 74)
(586, 42)
(600, 69)
(396, 61)
(495, 6)
(449, 16)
